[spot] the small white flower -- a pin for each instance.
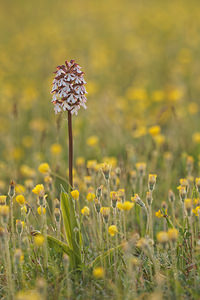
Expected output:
(57, 108)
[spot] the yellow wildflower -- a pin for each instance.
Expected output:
(80, 161)
(172, 234)
(127, 205)
(4, 210)
(91, 164)
(56, 149)
(75, 194)
(105, 211)
(188, 204)
(85, 211)
(3, 199)
(196, 211)
(158, 214)
(20, 199)
(98, 272)
(39, 240)
(162, 237)
(44, 168)
(154, 130)
(90, 197)
(92, 141)
(41, 210)
(20, 189)
(112, 230)
(196, 137)
(38, 189)
(159, 139)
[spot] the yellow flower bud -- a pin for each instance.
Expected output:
(41, 210)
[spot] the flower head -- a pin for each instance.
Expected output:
(98, 272)
(162, 237)
(75, 194)
(38, 189)
(68, 88)
(127, 205)
(90, 197)
(85, 211)
(44, 168)
(20, 199)
(3, 199)
(41, 210)
(172, 234)
(112, 230)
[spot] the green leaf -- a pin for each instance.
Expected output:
(58, 245)
(72, 229)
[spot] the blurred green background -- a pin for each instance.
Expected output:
(141, 62)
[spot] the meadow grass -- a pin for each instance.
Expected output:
(128, 227)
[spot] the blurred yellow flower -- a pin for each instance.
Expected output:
(39, 240)
(174, 95)
(92, 141)
(44, 168)
(193, 108)
(196, 137)
(98, 272)
(196, 211)
(112, 230)
(139, 132)
(91, 164)
(41, 210)
(158, 214)
(20, 199)
(154, 130)
(80, 161)
(38, 189)
(4, 210)
(26, 171)
(3, 199)
(159, 139)
(162, 237)
(56, 149)
(20, 189)
(105, 211)
(85, 211)
(75, 194)
(172, 234)
(127, 205)
(90, 197)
